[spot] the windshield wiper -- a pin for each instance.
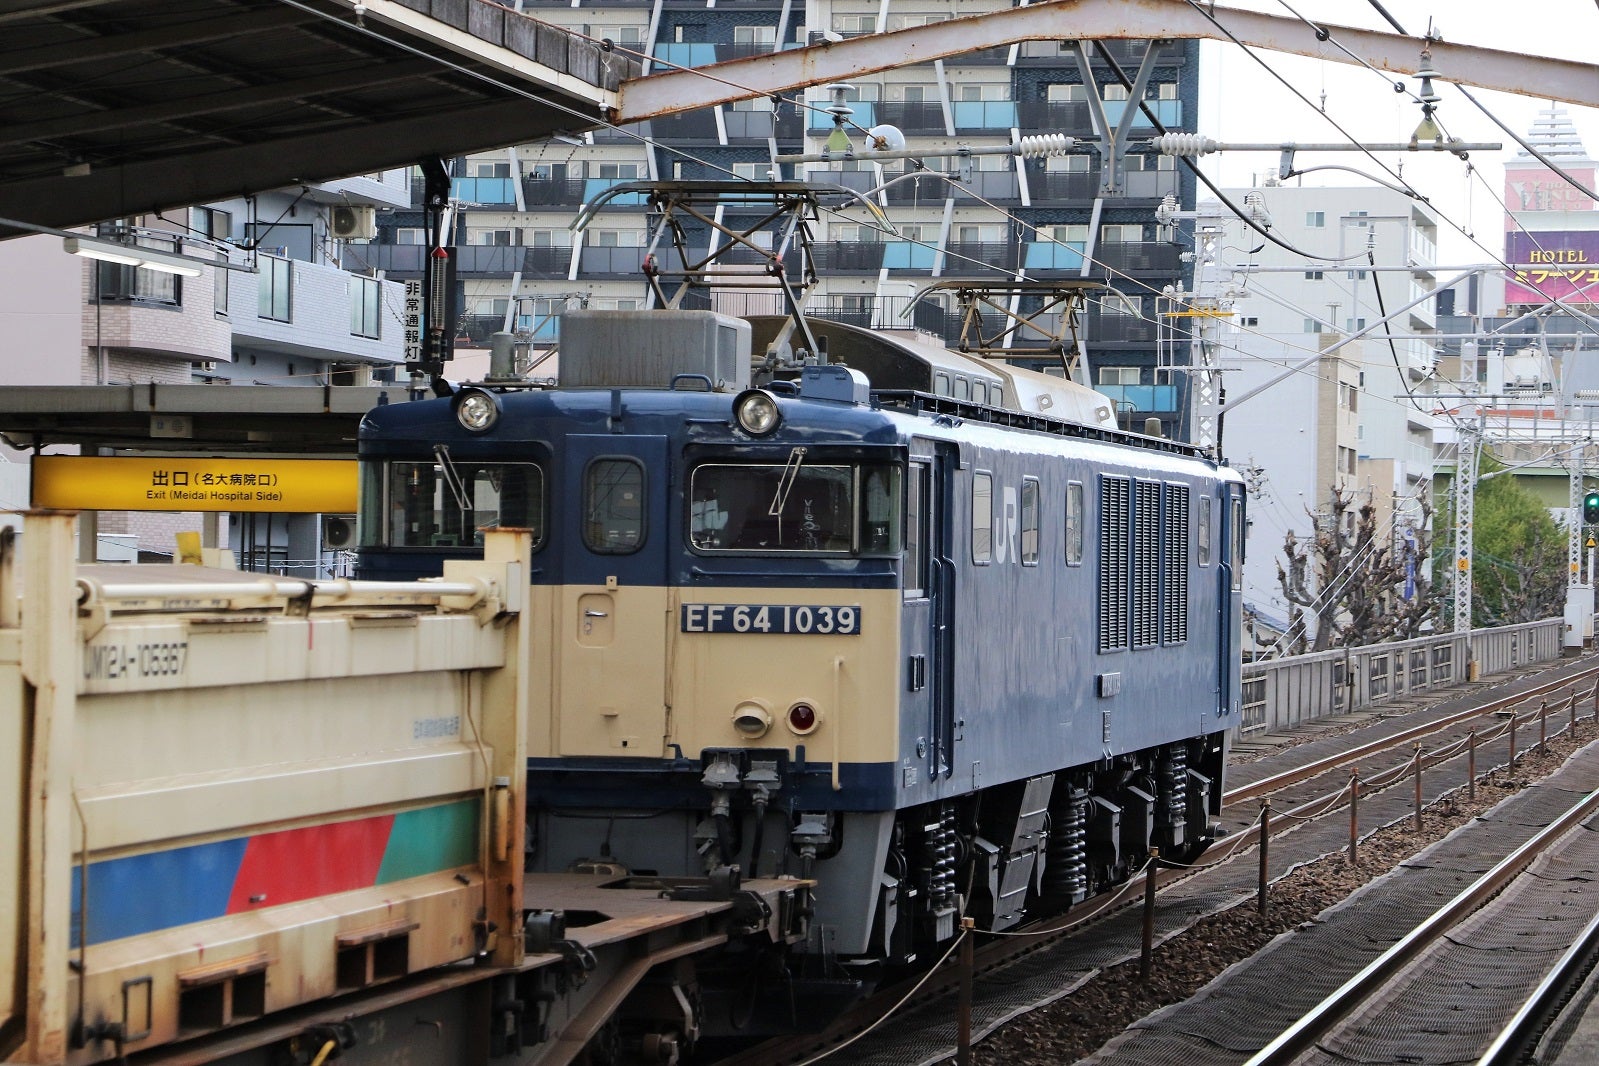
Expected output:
(452, 477)
(785, 482)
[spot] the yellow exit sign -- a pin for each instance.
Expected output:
(92, 483)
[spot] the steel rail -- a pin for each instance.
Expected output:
(1364, 986)
(1315, 769)
(1515, 1042)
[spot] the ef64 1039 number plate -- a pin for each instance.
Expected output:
(771, 618)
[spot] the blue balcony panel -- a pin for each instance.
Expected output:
(1144, 398)
(985, 114)
(1048, 255)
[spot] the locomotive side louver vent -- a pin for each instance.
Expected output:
(1114, 508)
(1174, 620)
(1146, 564)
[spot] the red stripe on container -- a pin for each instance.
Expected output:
(305, 863)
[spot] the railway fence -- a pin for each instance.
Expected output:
(1285, 692)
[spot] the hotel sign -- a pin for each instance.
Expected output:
(1557, 264)
(296, 486)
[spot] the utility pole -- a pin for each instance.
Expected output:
(1465, 504)
(1579, 594)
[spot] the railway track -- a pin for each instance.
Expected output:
(1473, 958)
(994, 959)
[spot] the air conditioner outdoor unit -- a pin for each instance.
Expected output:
(355, 222)
(338, 532)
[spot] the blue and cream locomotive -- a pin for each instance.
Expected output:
(925, 628)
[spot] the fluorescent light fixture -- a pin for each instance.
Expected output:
(133, 255)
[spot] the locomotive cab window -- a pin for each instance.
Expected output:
(801, 507)
(1202, 532)
(917, 498)
(982, 519)
(613, 506)
(1029, 521)
(1074, 523)
(448, 503)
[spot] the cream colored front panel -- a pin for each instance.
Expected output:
(610, 681)
(852, 682)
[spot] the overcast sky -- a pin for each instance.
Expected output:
(1241, 102)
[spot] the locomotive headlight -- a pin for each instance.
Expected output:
(756, 412)
(477, 410)
(751, 719)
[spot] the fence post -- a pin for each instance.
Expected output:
(1543, 727)
(1354, 812)
(1147, 958)
(1265, 843)
(1514, 717)
(1572, 707)
(1417, 758)
(1471, 765)
(963, 1044)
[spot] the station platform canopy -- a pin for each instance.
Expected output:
(193, 419)
(115, 108)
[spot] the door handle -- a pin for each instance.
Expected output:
(594, 614)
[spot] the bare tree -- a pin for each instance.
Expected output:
(1359, 585)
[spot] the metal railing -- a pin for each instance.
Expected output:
(1282, 693)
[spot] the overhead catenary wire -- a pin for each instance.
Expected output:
(1443, 215)
(678, 151)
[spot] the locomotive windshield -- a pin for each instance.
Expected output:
(814, 509)
(445, 503)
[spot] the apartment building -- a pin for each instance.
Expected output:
(1324, 393)
(299, 312)
(989, 219)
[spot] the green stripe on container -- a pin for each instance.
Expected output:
(431, 839)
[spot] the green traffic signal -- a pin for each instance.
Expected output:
(1590, 508)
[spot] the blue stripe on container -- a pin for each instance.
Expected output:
(158, 890)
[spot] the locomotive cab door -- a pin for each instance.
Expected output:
(928, 581)
(611, 606)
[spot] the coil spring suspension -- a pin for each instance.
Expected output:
(1173, 787)
(939, 856)
(1066, 871)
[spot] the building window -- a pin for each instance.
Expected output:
(409, 235)
(366, 296)
(1315, 219)
(139, 285)
(766, 35)
(277, 288)
(1118, 375)
(1312, 325)
(210, 222)
(1313, 275)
